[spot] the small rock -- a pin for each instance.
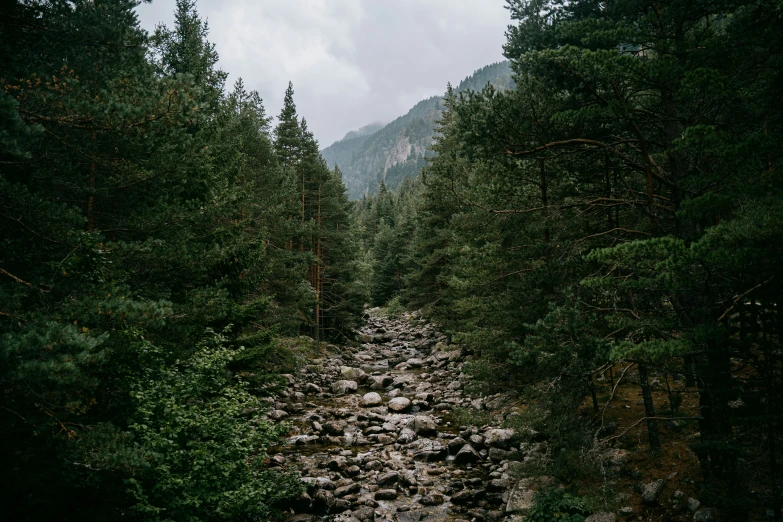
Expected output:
(652, 491)
(347, 490)
(463, 497)
(387, 479)
(386, 494)
(467, 455)
(415, 363)
(693, 505)
(353, 374)
(311, 388)
(277, 414)
(705, 515)
(428, 450)
(371, 399)
(406, 436)
(399, 404)
(498, 438)
(626, 511)
(424, 425)
(603, 516)
(433, 499)
(344, 387)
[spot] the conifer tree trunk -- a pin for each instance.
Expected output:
(649, 409)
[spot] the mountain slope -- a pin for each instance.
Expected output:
(398, 149)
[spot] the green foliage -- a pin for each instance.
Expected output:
(557, 505)
(141, 204)
(393, 308)
(204, 440)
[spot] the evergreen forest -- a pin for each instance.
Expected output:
(583, 250)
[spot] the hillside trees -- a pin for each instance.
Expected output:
(325, 227)
(614, 206)
(145, 251)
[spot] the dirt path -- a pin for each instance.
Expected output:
(376, 436)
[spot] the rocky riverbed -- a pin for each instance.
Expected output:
(375, 436)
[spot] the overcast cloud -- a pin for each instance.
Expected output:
(352, 62)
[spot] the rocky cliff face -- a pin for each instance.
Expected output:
(397, 150)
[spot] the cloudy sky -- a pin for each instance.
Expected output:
(352, 62)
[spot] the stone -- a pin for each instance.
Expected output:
(388, 479)
(433, 499)
(406, 436)
(497, 454)
(456, 444)
(705, 515)
(617, 457)
(379, 382)
(477, 404)
(277, 414)
(428, 450)
(626, 511)
(399, 404)
(462, 497)
(323, 501)
(408, 516)
(345, 518)
(495, 404)
(415, 363)
(467, 455)
(335, 427)
(424, 425)
(371, 399)
(353, 374)
(311, 388)
(520, 500)
(602, 516)
(386, 494)
(364, 513)
(693, 504)
(477, 441)
(347, 490)
(652, 491)
(344, 387)
(498, 438)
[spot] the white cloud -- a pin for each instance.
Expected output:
(351, 61)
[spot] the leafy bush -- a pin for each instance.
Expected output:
(205, 443)
(557, 505)
(393, 308)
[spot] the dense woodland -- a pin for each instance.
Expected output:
(619, 210)
(156, 233)
(613, 216)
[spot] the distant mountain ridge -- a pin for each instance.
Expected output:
(397, 150)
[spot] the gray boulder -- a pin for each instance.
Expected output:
(372, 399)
(467, 455)
(399, 404)
(520, 500)
(353, 374)
(498, 438)
(344, 387)
(652, 491)
(424, 425)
